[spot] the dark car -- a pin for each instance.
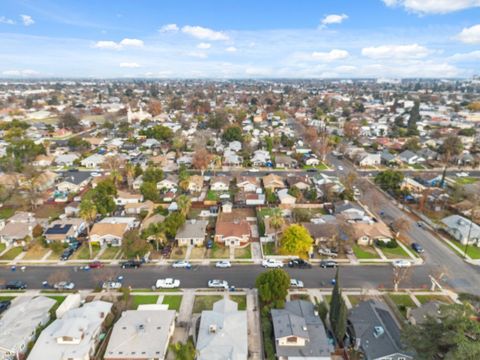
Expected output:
(4, 305)
(15, 285)
(95, 265)
(75, 245)
(312, 170)
(328, 264)
(66, 254)
(131, 264)
(299, 263)
(209, 244)
(166, 250)
(417, 247)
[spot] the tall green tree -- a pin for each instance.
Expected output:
(183, 351)
(88, 212)
(338, 312)
(455, 334)
(273, 287)
(276, 222)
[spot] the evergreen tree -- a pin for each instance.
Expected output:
(338, 312)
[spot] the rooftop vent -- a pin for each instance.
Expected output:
(212, 329)
(378, 331)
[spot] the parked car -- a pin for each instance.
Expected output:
(95, 265)
(218, 284)
(417, 247)
(64, 285)
(15, 285)
(181, 264)
(66, 254)
(327, 252)
(299, 263)
(166, 250)
(271, 263)
(209, 244)
(312, 170)
(111, 285)
(131, 264)
(294, 283)
(167, 283)
(75, 245)
(223, 264)
(401, 263)
(328, 264)
(4, 305)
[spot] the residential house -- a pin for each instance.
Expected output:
(412, 185)
(368, 159)
(170, 183)
(195, 183)
(388, 158)
(141, 335)
(312, 161)
(93, 161)
(374, 330)
(43, 160)
(231, 229)
(223, 332)
(367, 233)
(125, 197)
(285, 162)
(73, 181)
(273, 182)
(19, 324)
(138, 208)
(137, 183)
(285, 198)
(248, 183)
(299, 332)
(261, 158)
(74, 336)
(462, 229)
(322, 233)
(409, 157)
(298, 181)
(108, 234)
(64, 230)
(18, 228)
(192, 233)
(349, 210)
(220, 183)
(66, 159)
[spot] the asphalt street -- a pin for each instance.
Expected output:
(241, 276)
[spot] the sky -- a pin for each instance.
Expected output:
(240, 39)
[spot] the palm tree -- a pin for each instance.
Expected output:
(276, 222)
(88, 212)
(160, 236)
(113, 164)
(130, 174)
(184, 203)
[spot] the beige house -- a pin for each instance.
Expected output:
(273, 182)
(366, 234)
(195, 183)
(108, 233)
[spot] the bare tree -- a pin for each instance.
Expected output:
(400, 274)
(401, 225)
(201, 159)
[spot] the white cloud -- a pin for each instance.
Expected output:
(471, 56)
(169, 28)
(131, 42)
(231, 49)
(204, 45)
(112, 45)
(333, 19)
(197, 54)
(433, 6)
(26, 72)
(130, 65)
(27, 20)
(332, 55)
(470, 35)
(411, 51)
(258, 71)
(204, 33)
(5, 20)
(345, 69)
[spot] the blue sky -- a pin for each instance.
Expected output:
(240, 39)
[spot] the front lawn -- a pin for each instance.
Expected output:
(219, 252)
(243, 253)
(417, 166)
(427, 298)
(466, 180)
(241, 300)
(143, 299)
(395, 253)
(197, 253)
(212, 196)
(12, 253)
(36, 252)
(205, 302)
(2, 247)
(365, 252)
(472, 251)
(110, 253)
(6, 212)
(173, 301)
(403, 302)
(178, 253)
(84, 253)
(322, 166)
(269, 248)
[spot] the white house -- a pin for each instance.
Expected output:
(370, 160)
(220, 183)
(285, 197)
(93, 161)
